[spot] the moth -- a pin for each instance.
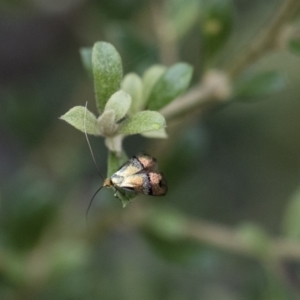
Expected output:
(139, 175)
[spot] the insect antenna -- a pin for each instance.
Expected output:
(93, 157)
(87, 139)
(90, 204)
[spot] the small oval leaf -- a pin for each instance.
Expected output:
(141, 122)
(107, 70)
(75, 117)
(120, 103)
(133, 85)
(106, 123)
(170, 85)
(150, 77)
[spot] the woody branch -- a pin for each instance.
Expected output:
(216, 86)
(219, 236)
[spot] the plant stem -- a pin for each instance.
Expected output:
(201, 94)
(219, 236)
(267, 39)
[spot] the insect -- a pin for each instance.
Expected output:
(139, 175)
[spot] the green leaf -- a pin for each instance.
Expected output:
(86, 58)
(120, 103)
(75, 117)
(141, 122)
(133, 85)
(294, 46)
(106, 123)
(254, 85)
(156, 134)
(170, 85)
(107, 70)
(291, 219)
(216, 25)
(150, 77)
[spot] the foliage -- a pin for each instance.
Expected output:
(229, 226)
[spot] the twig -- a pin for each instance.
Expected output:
(215, 86)
(202, 94)
(220, 236)
(268, 39)
(228, 239)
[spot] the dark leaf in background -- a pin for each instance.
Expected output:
(172, 83)
(251, 86)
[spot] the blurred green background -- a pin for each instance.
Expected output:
(236, 165)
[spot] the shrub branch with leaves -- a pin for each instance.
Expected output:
(126, 105)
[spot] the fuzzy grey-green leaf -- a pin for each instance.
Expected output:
(170, 85)
(75, 117)
(150, 77)
(133, 85)
(107, 70)
(106, 123)
(142, 122)
(120, 103)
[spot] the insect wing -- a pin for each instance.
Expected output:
(159, 186)
(131, 167)
(149, 183)
(137, 163)
(148, 162)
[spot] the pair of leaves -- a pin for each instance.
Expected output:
(158, 87)
(114, 103)
(138, 123)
